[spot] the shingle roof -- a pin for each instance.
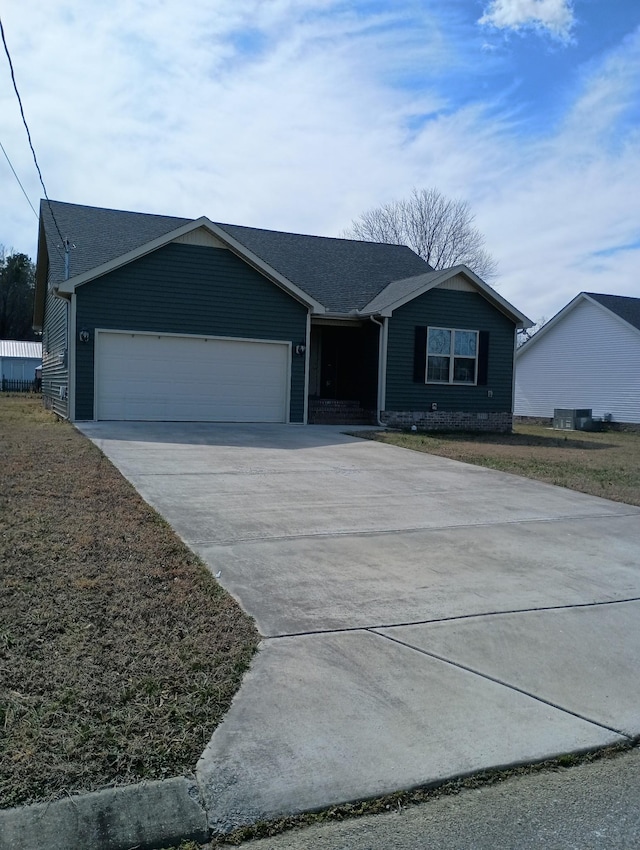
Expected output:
(399, 289)
(341, 274)
(98, 235)
(18, 348)
(625, 306)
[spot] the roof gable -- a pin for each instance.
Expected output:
(186, 231)
(622, 307)
(400, 292)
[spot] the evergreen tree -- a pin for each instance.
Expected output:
(17, 289)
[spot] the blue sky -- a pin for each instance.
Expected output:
(300, 114)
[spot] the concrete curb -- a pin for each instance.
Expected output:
(147, 816)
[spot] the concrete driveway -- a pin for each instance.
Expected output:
(422, 618)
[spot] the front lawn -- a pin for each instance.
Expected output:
(602, 464)
(119, 652)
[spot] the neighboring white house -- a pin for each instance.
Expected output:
(19, 360)
(587, 356)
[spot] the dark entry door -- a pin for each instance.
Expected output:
(329, 364)
(344, 363)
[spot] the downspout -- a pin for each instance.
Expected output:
(513, 374)
(382, 366)
(307, 363)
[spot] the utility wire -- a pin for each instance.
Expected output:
(6, 155)
(26, 126)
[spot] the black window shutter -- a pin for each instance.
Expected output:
(420, 356)
(483, 358)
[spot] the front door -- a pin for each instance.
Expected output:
(346, 363)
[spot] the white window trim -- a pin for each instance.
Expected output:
(451, 357)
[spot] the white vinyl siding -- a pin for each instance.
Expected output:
(589, 359)
(143, 376)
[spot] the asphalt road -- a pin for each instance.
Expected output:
(592, 806)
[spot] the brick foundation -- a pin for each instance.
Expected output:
(448, 420)
(328, 411)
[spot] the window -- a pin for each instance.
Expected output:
(452, 356)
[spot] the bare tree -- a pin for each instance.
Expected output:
(439, 229)
(525, 334)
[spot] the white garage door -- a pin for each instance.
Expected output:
(190, 379)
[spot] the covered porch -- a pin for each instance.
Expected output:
(343, 372)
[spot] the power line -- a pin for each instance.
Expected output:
(26, 126)
(18, 179)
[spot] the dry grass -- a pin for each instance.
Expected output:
(602, 464)
(119, 653)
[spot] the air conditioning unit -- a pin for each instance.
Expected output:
(574, 419)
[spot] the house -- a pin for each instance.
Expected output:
(587, 356)
(18, 361)
(150, 317)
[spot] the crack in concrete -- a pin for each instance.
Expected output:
(455, 618)
(497, 681)
(412, 530)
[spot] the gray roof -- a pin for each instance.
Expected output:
(342, 274)
(399, 289)
(625, 306)
(97, 235)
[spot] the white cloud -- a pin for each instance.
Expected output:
(158, 107)
(566, 197)
(554, 16)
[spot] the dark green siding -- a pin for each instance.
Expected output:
(55, 354)
(449, 309)
(193, 290)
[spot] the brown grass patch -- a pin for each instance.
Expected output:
(119, 652)
(601, 464)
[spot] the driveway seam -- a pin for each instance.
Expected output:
(454, 619)
(497, 681)
(414, 529)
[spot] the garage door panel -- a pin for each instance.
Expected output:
(151, 377)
